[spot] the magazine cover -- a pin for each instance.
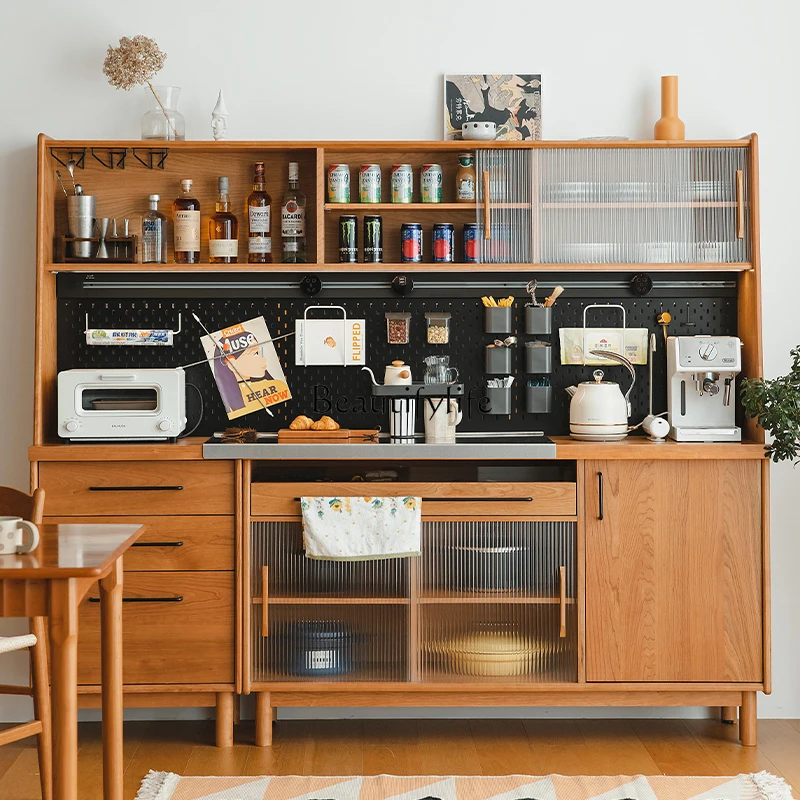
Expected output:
(513, 102)
(246, 367)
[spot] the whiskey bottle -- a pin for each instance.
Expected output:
(293, 220)
(223, 230)
(259, 236)
(186, 219)
(154, 234)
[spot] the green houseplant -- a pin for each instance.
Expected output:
(776, 405)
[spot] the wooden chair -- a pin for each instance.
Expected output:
(18, 504)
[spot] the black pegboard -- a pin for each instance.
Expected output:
(714, 313)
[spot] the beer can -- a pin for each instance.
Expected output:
(348, 239)
(471, 243)
(369, 183)
(402, 183)
(443, 239)
(338, 183)
(430, 182)
(411, 242)
(373, 239)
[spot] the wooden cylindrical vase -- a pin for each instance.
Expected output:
(669, 126)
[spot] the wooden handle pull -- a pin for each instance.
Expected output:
(264, 601)
(562, 602)
(487, 211)
(739, 204)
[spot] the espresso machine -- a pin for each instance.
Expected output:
(701, 392)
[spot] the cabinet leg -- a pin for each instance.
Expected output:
(748, 720)
(263, 720)
(225, 719)
(729, 714)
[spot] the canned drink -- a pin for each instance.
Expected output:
(348, 239)
(411, 242)
(430, 182)
(338, 183)
(369, 183)
(402, 183)
(373, 239)
(443, 241)
(471, 243)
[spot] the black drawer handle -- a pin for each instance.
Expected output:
(144, 599)
(468, 499)
(157, 544)
(136, 488)
(599, 495)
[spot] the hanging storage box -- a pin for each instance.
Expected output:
(331, 342)
(576, 343)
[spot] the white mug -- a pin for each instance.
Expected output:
(12, 535)
(441, 417)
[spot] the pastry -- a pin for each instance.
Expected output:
(301, 423)
(325, 424)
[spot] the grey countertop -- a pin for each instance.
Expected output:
(339, 451)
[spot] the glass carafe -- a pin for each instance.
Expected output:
(438, 370)
(163, 120)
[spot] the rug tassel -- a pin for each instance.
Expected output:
(157, 786)
(771, 786)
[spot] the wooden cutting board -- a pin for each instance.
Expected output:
(342, 434)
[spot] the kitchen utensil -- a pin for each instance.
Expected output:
(232, 364)
(538, 357)
(78, 189)
(402, 419)
(507, 342)
(71, 170)
(664, 319)
(493, 650)
(438, 370)
(498, 320)
(80, 223)
(321, 648)
(551, 300)
(598, 411)
(492, 565)
(340, 435)
(701, 372)
(13, 534)
(63, 188)
(655, 426)
(530, 288)
(538, 320)
(398, 373)
(441, 415)
(102, 232)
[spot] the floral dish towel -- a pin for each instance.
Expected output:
(361, 528)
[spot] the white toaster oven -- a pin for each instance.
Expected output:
(121, 404)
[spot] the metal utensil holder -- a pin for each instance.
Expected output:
(538, 320)
(538, 399)
(499, 400)
(498, 320)
(538, 358)
(497, 360)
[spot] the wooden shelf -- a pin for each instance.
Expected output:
(368, 207)
(397, 267)
(677, 204)
(489, 597)
(336, 601)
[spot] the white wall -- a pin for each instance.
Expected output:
(362, 70)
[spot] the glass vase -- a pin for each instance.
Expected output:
(163, 120)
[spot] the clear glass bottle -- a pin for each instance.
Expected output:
(293, 219)
(186, 226)
(259, 222)
(154, 234)
(223, 230)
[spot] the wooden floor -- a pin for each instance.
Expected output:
(425, 747)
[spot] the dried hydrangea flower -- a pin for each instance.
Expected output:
(133, 63)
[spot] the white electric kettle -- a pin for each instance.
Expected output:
(598, 410)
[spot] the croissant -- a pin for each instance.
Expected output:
(301, 423)
(325, 424)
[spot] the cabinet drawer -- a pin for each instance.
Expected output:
(178, 629)
(117, 488)
(491, 500)
(174, 543)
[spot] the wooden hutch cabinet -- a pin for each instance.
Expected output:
(631, 573)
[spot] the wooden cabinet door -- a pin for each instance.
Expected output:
(673, 571)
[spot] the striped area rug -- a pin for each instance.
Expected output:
(757, 786)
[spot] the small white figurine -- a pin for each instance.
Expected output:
(219, 118)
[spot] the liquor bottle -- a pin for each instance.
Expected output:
(154, 234)
(259, 241)
(223, 230)
(186, 219)
(293, 219)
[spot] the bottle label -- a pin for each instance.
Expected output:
(187, 231)
(293, 219)
(466, 189)
(259, 244)
(259, 219)
(221, 248)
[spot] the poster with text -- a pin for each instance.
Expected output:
(512, 102)
(246, 367)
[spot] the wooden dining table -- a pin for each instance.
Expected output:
(50, 582)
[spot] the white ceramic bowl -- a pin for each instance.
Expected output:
(479, 131)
